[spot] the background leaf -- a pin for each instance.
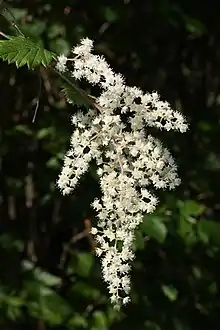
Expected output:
(154, 227)
(75, 96)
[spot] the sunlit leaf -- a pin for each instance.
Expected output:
(24, 51)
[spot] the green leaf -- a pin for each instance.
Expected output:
(88, 291)
(75, 95)
(190, 208)
(110, 14)
(24, 51)
(34, 29)
(7, 242)
(18, 13)
(46, 278)
(139, 241)
(13, 313)
(27, 265)
(186, 230)
(100, 321)
(60, 46)
(209, 230)
(78, 321)
(54, 308)
(24, 129)
(195, 27)
(170, 292)
(53, 163)
(154, 227)
(56, 30)
(14, 301)
(84, 263)
(45, 132)
(42, 302)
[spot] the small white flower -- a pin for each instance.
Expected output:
(94, 231)
(61, 63)
(126, 300)
(96, 205)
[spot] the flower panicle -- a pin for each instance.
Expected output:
(129, 161)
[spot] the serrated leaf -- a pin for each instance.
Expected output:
(24, 51)
(75, 96)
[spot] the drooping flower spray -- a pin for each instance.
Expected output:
(128, 160)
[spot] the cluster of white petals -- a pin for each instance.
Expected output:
(61, 63)
(130, 162)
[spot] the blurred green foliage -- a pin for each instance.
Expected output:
(49, 276)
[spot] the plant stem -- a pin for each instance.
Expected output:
(4, 35)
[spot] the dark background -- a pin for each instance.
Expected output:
(49, 277)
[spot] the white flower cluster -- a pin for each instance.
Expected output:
(61, 63)
(130, 161)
